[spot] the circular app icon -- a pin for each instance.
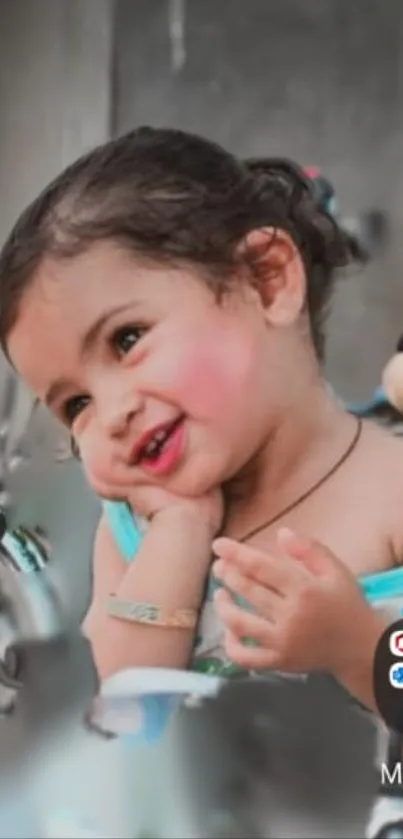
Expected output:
(396, 675)
(396, 643)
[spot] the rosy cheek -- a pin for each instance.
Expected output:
(213, 380)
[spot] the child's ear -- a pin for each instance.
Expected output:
(278, 272)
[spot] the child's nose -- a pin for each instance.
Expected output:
(116, 415)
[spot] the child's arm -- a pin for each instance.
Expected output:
(170, 570)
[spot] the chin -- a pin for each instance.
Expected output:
(107, 491)
(201, 475)
(194, 482)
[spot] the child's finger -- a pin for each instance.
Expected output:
(249, 658)
(262, 598)
(315, 557)
(241, 623)
(281, 573)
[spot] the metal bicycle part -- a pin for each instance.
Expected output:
(48, 682)
(29, 606)
(29, 609)
(32, 600)
(8, 408)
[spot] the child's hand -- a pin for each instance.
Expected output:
(309, 615)
(153, 501)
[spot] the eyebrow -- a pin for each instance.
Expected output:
(87, 341)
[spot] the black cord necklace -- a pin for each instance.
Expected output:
(350, 448)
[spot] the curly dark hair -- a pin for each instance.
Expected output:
(175, 197)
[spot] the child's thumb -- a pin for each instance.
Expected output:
(315, 556)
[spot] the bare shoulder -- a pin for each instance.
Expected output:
(382, 466)
(383, 451)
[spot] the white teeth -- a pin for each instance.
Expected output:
(151, 448)
(156, 443)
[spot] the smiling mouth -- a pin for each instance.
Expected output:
(156, 442)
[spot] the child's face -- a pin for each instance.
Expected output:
(120, 350)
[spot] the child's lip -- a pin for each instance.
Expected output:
(145, 439)
(168, 457)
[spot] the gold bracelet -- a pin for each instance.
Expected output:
(150, 614)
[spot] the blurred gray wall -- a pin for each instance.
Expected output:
(317, 80)
(55, 70)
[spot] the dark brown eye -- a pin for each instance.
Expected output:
(74, 406)
(126, 338)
